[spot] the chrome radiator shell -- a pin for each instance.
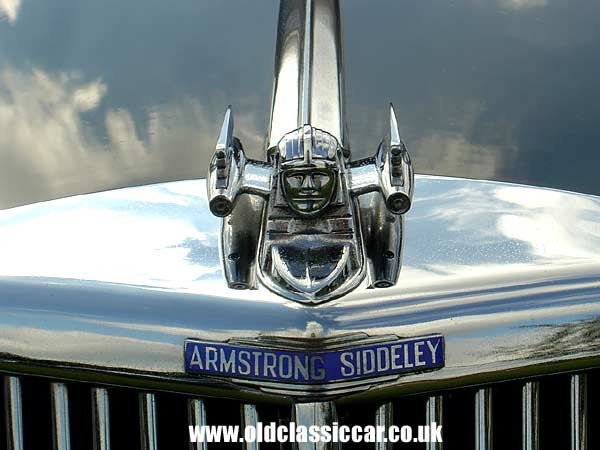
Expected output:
(107, 286)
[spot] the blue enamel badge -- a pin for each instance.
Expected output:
(315, 367)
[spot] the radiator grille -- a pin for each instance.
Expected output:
(555, 411)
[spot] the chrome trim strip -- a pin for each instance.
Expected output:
(483, 419)
(579, 411)
(147, 403)
(197, 417)
(319, 414)
(61, 432)
(306, 64)
(13, 413)
(250, 417)
(100, 418)
(384, 417)
(530, 415)
(433, 413)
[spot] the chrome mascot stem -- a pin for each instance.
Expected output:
(309, 85)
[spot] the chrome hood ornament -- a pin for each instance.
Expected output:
(308, 220)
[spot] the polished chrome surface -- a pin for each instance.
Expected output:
(307, 38)
(197, 417)
(508, 274)
(250, 418)
(384, 417)
(483, 419)
(433, 414)
(147, 407)
(239, 237)
(287, 106)
(61, 432)
(310, 250)
(383, 238)
(310, 246)
(579, 411)
(231, 175)
(310, 414)
(13, 413)
(308, 87)
(100, 418)
(327, 85)
(530, 416)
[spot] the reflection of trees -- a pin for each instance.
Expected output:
(200, 252)
(567, 339)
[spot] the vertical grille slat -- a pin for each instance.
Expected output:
(250, 417)
(14, 413)
(578, 411)
(530, 412)
(483, 419)
(147, 421)
(319, 413)
(556, 411)
(384, 417)
(61, 432)
(100, 419)
(197, 416)
(433, 413)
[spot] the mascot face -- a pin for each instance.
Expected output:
(308, 188)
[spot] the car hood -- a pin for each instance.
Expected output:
(95, 96)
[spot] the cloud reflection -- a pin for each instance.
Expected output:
(56, 131)
(10, 9)
(445, 139)
(523, 4)
(558, 225)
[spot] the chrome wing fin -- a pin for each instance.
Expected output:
(231, 173)
(389, 171)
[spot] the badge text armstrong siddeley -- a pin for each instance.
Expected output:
(292, 366)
